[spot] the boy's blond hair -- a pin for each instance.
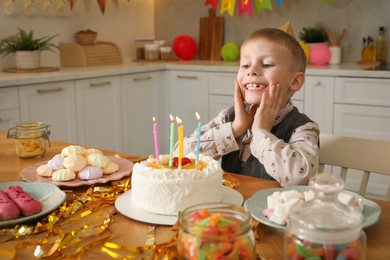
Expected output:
(284, 40)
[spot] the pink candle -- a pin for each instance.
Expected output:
(155, 134)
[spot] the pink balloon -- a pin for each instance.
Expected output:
(184, 47)
(319, 54)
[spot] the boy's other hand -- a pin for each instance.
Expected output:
(243, 119)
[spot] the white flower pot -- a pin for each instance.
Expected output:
(28, 59)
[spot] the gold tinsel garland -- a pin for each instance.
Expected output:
(60, 241)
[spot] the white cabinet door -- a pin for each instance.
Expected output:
(142, 97)
(99, 118)
(53, 103)
(188, 93)
(9, 107)
(318, 101)
(219, 102)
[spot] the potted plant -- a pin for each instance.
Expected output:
(314, 34)
(26, 48)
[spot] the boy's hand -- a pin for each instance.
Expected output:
(271, 103)
(242, 120)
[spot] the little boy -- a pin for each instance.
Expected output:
(263, 134)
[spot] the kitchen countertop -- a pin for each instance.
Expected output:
(72, 73)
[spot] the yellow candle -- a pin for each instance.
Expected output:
(180, 135)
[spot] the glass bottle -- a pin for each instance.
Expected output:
(325, 228)
(368, 51)
(30, 138)
(216, 231)
(381, 46)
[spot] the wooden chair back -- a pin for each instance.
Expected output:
(368, 156)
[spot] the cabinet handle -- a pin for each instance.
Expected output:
(186, 77)
(318, 83)
(41, 91)
(142, 78)
(4, 120)
(100, 84)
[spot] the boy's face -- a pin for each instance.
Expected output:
(262, 64)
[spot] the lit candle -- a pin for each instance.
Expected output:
(198, 143)
(180, 135)
(155, 133)
(171, 138)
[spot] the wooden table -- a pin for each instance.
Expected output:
(128, 232)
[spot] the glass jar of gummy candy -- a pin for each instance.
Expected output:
(216, 231)
(325, 228)
(30, 138)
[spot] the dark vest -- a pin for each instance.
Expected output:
(252, 167)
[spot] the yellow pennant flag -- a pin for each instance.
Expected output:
(228, 6)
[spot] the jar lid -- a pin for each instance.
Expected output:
(152, 47)
(28, 128)
(325, 219)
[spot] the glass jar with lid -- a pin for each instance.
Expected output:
(216, 231)
(324, 227)
(30, 138)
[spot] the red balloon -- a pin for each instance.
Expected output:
(184, 47)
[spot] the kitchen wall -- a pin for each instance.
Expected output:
(133, 18)
(359, 17)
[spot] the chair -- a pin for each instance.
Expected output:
(368, 156)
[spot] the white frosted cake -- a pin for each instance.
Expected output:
(160, 189)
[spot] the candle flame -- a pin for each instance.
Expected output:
(172, 118)
(178, 120)
(154, 119)
(197, 116)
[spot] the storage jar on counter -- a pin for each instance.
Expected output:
(216, 231)
(30, 138)
(325, 228)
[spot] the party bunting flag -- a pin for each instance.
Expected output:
(228, 5)
(278, 2)
(102, 5)
(72, 4)
(213, 3)
(261, 4)
(245, 6)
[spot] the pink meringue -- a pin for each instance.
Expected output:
(90, 173)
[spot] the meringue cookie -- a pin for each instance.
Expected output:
(90, 151)
(75, 162)
(56, 163)
(111, 168)
(44, 170)
(63, 175)
(98, 160)
(72, 150)
(90, 173)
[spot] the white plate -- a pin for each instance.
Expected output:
(29, 174)
(48, 194)
(123, 205)
(258, 203)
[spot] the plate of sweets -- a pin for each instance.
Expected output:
(271, 206)
(22, 201)
(77, 166)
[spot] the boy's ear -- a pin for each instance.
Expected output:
(298, 81)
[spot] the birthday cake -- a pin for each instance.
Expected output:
(160, 189)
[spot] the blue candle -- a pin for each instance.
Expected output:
(198, 143)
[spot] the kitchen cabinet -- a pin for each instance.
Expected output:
(142, 98)
(53, 103)
(99, 118)
(9, 107)
(188, 93)
(318, 101)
